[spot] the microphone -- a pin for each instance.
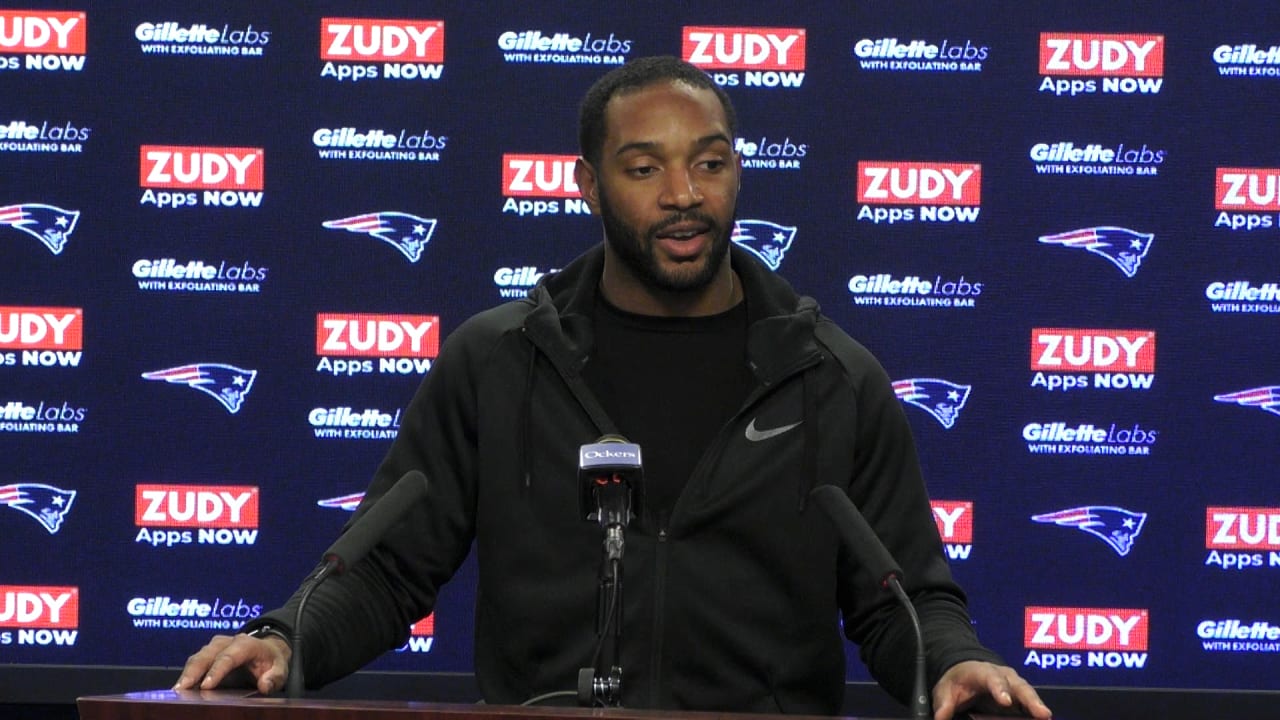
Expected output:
(609, 481)
(609, 492)
(863, 544)
(350, 547)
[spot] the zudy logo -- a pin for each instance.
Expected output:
(747, 56)
(1127, 63)
(896, 191)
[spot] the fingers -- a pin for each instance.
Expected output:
(198, 664)
(993, 689)
(262, 664)
(998, 686)
(1009, 690)
(1027, 697)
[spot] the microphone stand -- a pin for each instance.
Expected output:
(601, 684)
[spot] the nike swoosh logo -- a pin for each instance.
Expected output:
(755, 435)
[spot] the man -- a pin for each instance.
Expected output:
(743, 396)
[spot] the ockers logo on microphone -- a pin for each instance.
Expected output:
(350, 143)
(39, 615)
(538, 185)
(747, 56)
(43, 136)
(516, 282)
(1247, 60)
(1067, 158)
(954, 519)
(771, 153)
(1247, 198)
(915, 55)
(358, 49)
(347, 423)
(1242, 538)
(421, 636)
(169, 37)
(42, 40)
(1086, 63)
(1076, 358)
(350, 343)
(163, 612)
(41, 336)
(1071, 637)
(176, 176)
(562, 48)
(172, 515)
(895, 192)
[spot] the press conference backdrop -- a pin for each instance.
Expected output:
(232, 236)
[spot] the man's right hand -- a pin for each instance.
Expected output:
(240, 661)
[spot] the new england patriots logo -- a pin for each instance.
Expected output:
(225, 383)
(47, 504)
(46, 223)
(1264, 398)
(1115, 526)
(407, 233)
(767, 241)
(342, 502)
(1125, 248)
(941, 399)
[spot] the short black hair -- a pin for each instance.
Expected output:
(636, 75)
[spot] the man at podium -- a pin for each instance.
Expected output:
(669, 337)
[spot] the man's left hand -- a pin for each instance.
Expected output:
(986, 688)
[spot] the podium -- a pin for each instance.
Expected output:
(245, 705)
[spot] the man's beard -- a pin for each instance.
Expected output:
(636, 250)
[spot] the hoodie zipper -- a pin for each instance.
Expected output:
(664, 520)
(659, 611)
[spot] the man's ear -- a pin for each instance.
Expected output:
(588, 188)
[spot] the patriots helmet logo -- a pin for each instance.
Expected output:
(941, 399)
(767, 241)
(1125, 248)
(46, 223)
(342, 502)
(407, 233)
(225, 383)
(1115, 526)
(1266, 398)
(47, 504)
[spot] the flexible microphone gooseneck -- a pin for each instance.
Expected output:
(862, 542)
(347, 550)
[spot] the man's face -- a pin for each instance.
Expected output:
(666, 186)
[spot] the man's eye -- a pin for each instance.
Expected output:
(713, 164)
(642, 171)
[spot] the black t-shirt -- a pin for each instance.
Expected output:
(670, 384)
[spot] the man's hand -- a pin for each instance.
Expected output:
(241, 660)
(987, 688)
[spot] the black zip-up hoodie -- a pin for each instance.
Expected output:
(733, 602)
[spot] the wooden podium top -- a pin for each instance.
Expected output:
(245, 705)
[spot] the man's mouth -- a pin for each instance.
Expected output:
(683, 231)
